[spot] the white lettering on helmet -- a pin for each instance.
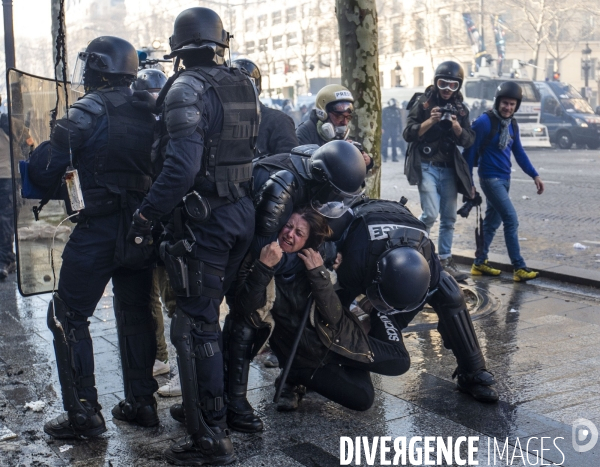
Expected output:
(343, 94)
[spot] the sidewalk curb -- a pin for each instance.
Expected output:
(552, 271)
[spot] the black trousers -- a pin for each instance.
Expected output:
(348, 382)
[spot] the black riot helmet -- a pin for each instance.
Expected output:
(251, 69)
(511, 90)
(106, 55)
(198, 28)
(402, 281)
(450, 71)
(339, 171)
(149, 79)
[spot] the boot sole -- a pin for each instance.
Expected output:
(478, 399)
(172, 459)
(72, 435)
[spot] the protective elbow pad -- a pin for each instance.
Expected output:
(274, 202)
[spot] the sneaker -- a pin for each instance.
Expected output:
(484, 270)
(450, 267)
(524, 274)
(160, 368)
(271, 361)
(171, 389)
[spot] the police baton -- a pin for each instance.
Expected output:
(290, 359)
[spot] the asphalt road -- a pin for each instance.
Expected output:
(549, 224)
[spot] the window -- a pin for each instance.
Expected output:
(446, 29)
(277, 42)
(549, 68)
(276, 17)
(262, 21)
(588, 28)
(250, 47)
(292, 38)
(279, 67)
(419, 35)
(418, 76)
(262, 45)
(396, 38)
(290, 15)
(250, 25)
(323, 34)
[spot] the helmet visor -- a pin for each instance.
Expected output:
(342, 107)
(78, 72)
(332, 202)
(378, 301)
(447, 84)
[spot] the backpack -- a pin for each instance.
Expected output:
(413, 100)
(495, 121)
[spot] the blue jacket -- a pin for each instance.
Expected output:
(495, 162)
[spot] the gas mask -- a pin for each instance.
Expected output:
(329, 132)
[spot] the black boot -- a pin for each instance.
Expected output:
(77, 424)
(478, 385)
(290, 397)
(240, 414)
(200, 449)
(143, 412)
(178, 413)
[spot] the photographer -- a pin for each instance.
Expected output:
(438, 122)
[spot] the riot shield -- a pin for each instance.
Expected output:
(31, 101)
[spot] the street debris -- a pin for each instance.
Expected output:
(526, 197)
(579, 246)
(512, 310)
(36, 406)
(65, 447)
(5, 433)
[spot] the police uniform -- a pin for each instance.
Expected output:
(276, 134)
(111, 142)
(380, 225)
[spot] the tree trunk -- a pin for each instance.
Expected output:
(357, 22)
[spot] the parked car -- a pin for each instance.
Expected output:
(568, 116)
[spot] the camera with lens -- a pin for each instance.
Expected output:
(468, 204)
(446, 120)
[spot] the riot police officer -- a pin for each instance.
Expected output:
(211, 120)
(329, 179)
(378, 259)
(391, 122)
(151, 80)
(276, 133)
(110, 141)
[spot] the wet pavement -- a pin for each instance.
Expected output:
(541, 341)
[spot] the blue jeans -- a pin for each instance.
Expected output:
(437, 191)
(500, 210)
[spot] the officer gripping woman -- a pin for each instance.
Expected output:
(110, 140)
(387, 255)
(211, 118)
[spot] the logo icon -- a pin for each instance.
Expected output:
(585, 435)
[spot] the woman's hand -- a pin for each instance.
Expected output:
(312, 259)
(271, 254)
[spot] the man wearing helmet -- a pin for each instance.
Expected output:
(276, 133)
(387, 255)
(437, 124)
(115, 172)
(210, 115)
(391, 121)
(328, 121)
(496, 136)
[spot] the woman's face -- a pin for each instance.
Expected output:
(294, 234)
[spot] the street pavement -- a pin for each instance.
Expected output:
(550, 224)
(541, 340)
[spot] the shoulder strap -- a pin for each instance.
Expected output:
(495, 125)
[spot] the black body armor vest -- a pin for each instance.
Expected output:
(125, 164)
(228, 155)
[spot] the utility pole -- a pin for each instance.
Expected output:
(481, 22)
(55, 7)
(9, 35)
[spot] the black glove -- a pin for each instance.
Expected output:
(145, 101)
(140, 232)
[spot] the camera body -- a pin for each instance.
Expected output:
(469, 203)
(447, 111)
